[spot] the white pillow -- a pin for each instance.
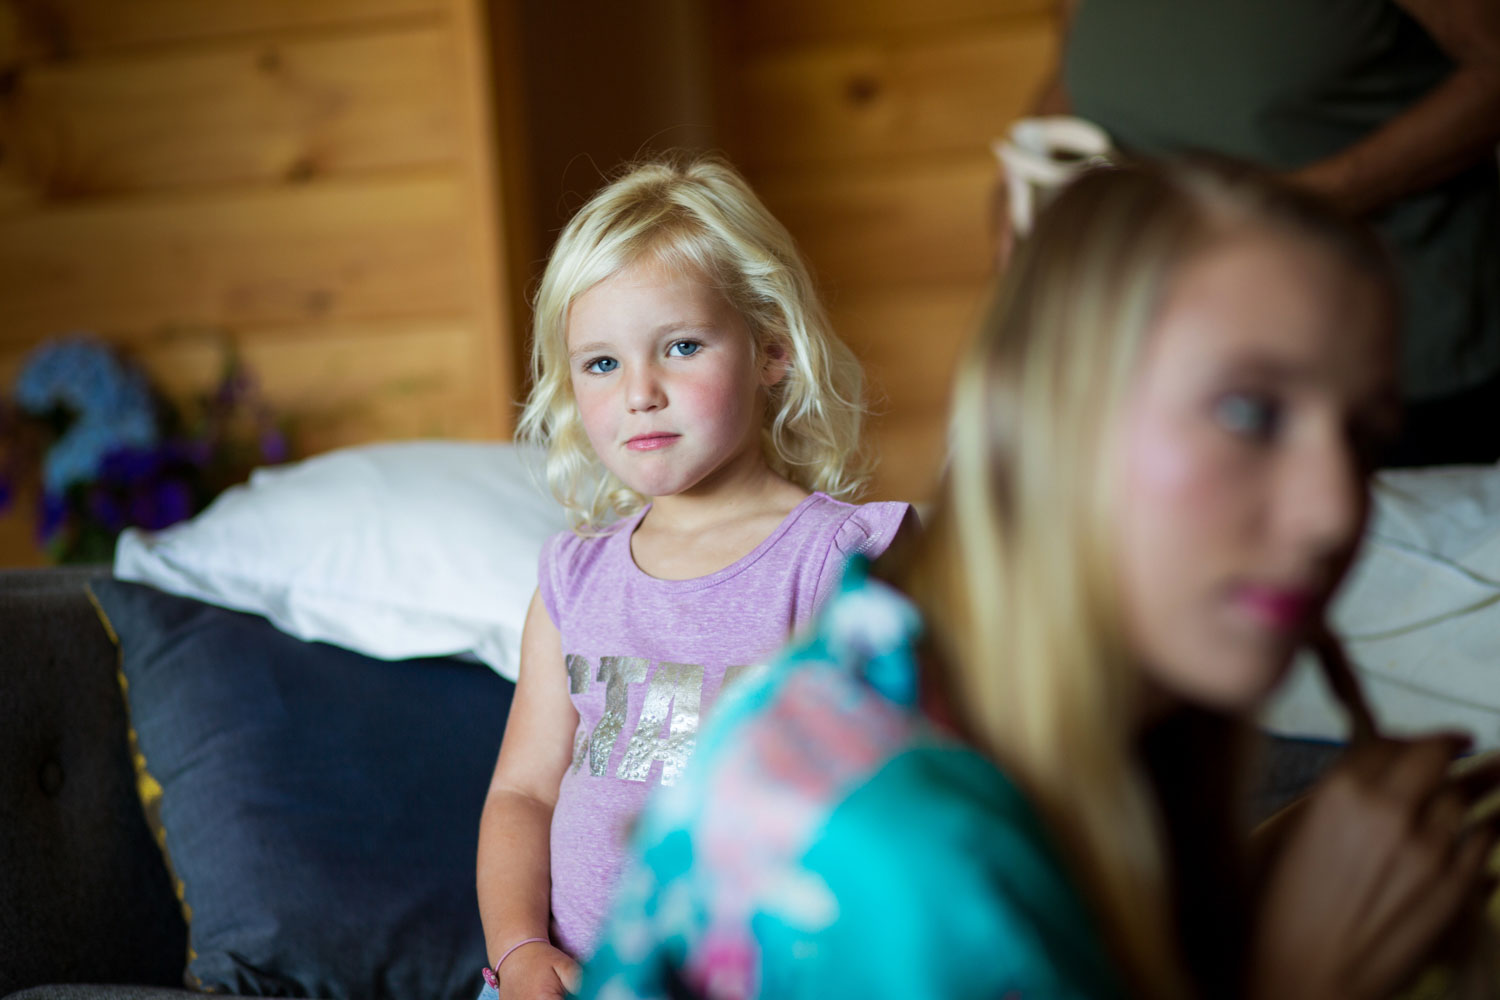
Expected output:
(1420, 613)
(425, 548)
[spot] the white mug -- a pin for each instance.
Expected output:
(1041, 155)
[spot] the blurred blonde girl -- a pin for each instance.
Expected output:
(1006, 760)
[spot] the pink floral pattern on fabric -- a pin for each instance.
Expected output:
(772, 794)
(828, 841)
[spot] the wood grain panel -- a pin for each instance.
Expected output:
(911, 449)
(355, 249)
(866, 128)
(485, 103)
(769, 23)
(17, 193)
(71, 27)
(292, 110)
(908, 339)
(918, 222)
(349, 383)
(318, 177)
(862, 102)
(18, 545)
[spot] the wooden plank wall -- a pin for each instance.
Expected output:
(866, 128)
(318, 178)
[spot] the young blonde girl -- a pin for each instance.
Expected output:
(702, 427)
(1005, 761)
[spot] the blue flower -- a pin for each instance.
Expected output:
(78, 455)
(82, 373)
(112, 402)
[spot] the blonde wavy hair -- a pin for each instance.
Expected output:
(1016, 572)
(698, 215)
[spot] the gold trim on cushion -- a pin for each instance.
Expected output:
(148, 789)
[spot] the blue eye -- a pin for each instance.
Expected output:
(601, 366)
(1249, 414)
(684, 349)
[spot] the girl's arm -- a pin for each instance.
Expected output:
(1453, 127)
(514, 869)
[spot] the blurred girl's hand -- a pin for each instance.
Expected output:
(1371, 875)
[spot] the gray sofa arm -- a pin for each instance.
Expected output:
(84, 894)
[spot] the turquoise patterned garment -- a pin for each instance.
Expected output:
(827, 841)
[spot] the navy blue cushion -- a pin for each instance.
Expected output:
(320, 808)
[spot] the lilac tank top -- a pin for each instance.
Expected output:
(646, 657)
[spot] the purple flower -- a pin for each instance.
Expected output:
(162, 505)
(273, 447)
(237, 386)
(130, 465)
(106, 510)
(188, 451)
(53, 513)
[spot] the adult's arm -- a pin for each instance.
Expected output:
(1454, 126)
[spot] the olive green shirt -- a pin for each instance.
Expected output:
(1284, 83)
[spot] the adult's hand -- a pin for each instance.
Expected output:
(1371, 876)
(1452, 127)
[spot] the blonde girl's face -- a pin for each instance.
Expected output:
(1267, 381)
(664, 372)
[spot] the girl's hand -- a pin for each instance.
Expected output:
(538, 971)
(1372, 874)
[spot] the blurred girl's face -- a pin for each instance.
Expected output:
(1267, 381)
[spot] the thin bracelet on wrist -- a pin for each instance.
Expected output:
(492, 973)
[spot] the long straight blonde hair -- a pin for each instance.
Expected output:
(1016, 574)
(698, 215)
